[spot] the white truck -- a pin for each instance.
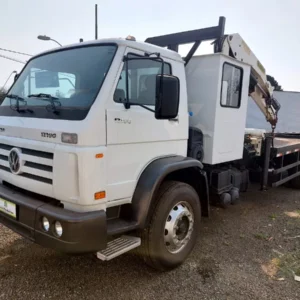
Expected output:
(114, 144)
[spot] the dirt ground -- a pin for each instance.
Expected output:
(248, 251)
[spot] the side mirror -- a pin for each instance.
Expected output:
(167, 97)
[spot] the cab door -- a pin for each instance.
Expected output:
(231, 111)
(134, 136)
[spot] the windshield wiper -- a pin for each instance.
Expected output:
(47, 97)
(16, 107)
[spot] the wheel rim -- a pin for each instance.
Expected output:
(178, 227)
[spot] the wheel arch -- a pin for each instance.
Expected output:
(179, 168)
(198, 180)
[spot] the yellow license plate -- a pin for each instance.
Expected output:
(8, 208)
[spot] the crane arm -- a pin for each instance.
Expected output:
(260, 90)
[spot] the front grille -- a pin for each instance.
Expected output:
(29, 151)
(38, 164)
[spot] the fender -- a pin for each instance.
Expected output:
(151, 179)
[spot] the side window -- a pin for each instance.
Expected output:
(141, 81)
(120, 92)
(231, 89)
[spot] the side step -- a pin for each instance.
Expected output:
(119, 246)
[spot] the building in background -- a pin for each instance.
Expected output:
(288, 116)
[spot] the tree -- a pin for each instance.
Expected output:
(2, 94)
(274, 83)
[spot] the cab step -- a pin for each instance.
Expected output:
(119, 246)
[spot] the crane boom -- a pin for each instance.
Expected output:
(260, 90)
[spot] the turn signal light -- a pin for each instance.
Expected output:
(100, 195)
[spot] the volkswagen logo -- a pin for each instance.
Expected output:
(14, 160)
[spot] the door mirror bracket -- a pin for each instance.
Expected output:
(166, 90)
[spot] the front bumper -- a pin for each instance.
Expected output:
(82, 232)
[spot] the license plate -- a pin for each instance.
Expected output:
(8, 208)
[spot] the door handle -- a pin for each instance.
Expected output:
(174, 120)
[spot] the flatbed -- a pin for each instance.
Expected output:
(285, 145)
(281, 159)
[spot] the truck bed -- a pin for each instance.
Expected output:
(286, 143)
(284, 154)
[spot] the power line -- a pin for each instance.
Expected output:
(13, 59)
(12, 51)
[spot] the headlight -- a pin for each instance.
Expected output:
(45, 224)
(58, 229)
(70, 138)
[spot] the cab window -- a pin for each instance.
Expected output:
(231, 90)
(141, 81)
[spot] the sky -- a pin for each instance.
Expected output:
(270, 30)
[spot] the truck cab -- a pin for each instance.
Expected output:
(81, 140)
(68, 139)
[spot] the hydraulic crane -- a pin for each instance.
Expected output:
(260, 90)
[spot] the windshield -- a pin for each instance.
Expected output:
(72, 76)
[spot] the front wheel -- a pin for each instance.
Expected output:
(172, 232)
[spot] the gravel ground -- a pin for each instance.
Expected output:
(244, 252)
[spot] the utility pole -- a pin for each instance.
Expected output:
(96, 21)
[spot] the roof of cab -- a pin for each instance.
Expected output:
(149, 48)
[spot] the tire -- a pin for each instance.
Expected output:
(235, 195)
(225, 200)
(295, 183)
(174, 198)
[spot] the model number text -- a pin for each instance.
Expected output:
(48, 135)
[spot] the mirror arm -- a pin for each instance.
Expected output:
(141, 105)
(158, 58)
(127, 104)
(154, 53)
(147, 56)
